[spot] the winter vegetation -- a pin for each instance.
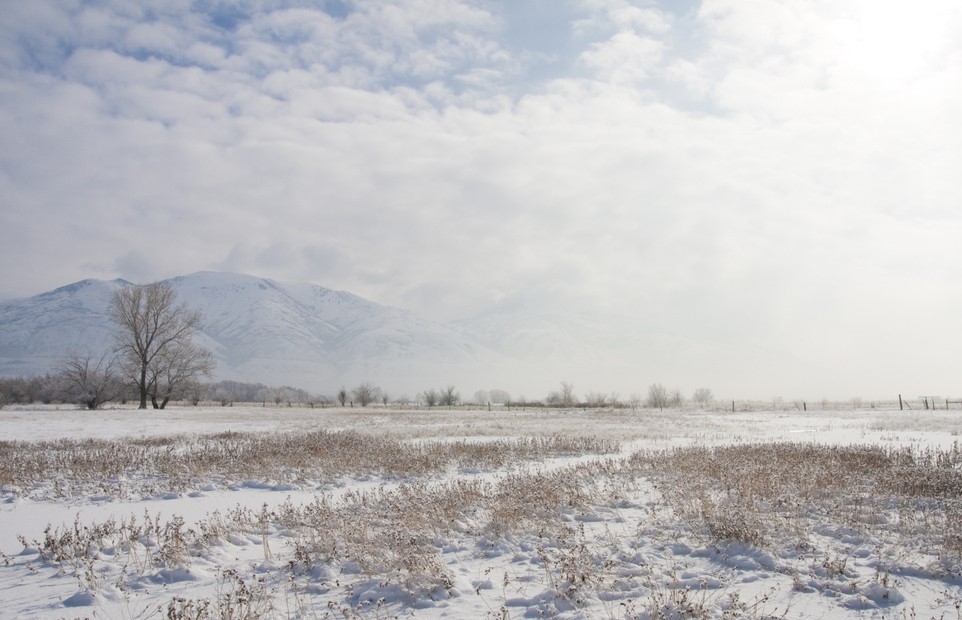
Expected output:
(383, 512)
(82, 381)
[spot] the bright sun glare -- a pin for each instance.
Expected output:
(890, 40)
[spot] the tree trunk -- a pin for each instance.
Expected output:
(143, 387)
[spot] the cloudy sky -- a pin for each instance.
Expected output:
(782, 173)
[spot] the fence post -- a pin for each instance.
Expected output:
(900, 402)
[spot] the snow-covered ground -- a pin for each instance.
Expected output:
(666, 514)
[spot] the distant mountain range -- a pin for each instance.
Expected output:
(311, 337)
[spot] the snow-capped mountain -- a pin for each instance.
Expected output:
(36, 333)
(259, 330)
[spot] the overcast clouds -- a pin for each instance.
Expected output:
(779, 172)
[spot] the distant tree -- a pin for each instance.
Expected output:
(196, 392)
(703, 396)
(596, 399)
(676, 399)
(565, 397)
(481, 397)
(342, 396)
(289, 395)
(365, 393)
(657, 396)
(153, 340)
(384, 399)
(89, 382)
(22, 390)
(430, 397)
(227, 392)
(321, 400)
(264, 394)
(222, 395)
(449, 397)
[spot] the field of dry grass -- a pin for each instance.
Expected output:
(554, 526)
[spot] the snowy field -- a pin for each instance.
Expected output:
(261, 512)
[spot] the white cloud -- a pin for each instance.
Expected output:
(625, 58)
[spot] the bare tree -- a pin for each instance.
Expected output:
(449, 397)
(596, 399)
(342, 396)
(224, 392)
(153, 339)
(703, 396)
(430, 397)
(264, 394)
(175, 372)
(194, 392)
(565, 397)
(366, 393)
(657, 396)
(88, 382)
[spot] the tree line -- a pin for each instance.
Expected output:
(67, 387)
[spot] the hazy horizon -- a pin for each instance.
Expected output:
(526, 354)
(769, 176)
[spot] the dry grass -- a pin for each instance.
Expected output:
(771, 495)
(780, 498)
(176, 464)
(393, 535)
